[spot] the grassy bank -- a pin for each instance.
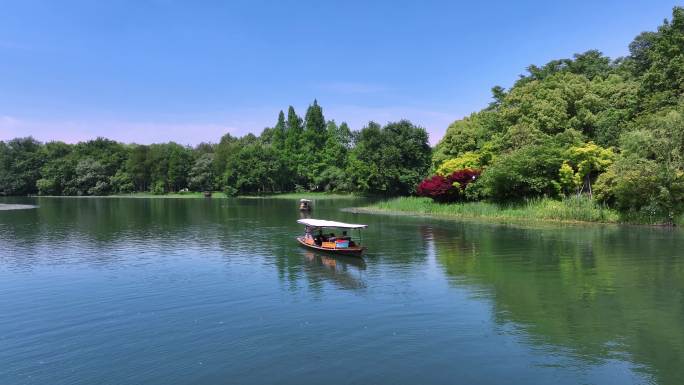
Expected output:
(542, 209)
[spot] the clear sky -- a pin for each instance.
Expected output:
(190, 71)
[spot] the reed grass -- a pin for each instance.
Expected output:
(575, 209)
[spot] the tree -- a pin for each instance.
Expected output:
(255, 168)
(639, 52)
(468, 159)
(58, 169)
(293, 154)
(279, 132)
(225, 149)
(201, 176)
(314, 140)
(20, 163)
(121, 182)
(138, 167)
(585, 162)
(315, 134)
(468, 134)
(526, 172)
(662, 56)
(91, 178)
(169, 166)
(390, 160)
(293, 131)
(333, 161)
(643, 188)
(647, 178)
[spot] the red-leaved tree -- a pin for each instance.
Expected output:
(450, 188)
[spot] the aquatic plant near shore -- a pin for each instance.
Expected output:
(573, 209)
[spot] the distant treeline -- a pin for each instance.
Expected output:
(309, 154)
(589, 125)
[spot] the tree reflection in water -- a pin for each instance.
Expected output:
(603, 292)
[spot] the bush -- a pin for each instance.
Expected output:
(158, 188)
(46, 186)
(230, 191)
(467, 160)
(643, 190)
(436, 187)
(448, 188)
(523, 173)
(121, 182)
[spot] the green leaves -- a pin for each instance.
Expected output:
(20, 163)
(390, 160)
(526, 172)
(201, 177)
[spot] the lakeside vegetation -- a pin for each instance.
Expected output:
(608, 133)
(588, 126)
(572, 209)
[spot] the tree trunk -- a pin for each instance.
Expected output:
(591, 196)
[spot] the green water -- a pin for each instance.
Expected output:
(216, 291)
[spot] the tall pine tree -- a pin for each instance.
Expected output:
(293, 132)
(314, 139)
(279, 132)
(314, 128)
(293, 153)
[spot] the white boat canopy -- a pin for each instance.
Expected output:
(305, 200)
(324, 223)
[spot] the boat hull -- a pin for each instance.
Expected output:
(356, 251)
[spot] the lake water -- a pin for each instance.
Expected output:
(217, 291)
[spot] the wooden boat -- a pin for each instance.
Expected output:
(305, 205)
(343, 245)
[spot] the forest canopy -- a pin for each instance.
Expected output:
(297, 154)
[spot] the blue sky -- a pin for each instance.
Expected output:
(190, 71)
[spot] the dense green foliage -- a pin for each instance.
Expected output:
(611, 129)
(309, 154)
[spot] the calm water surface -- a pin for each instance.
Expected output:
(216, 291)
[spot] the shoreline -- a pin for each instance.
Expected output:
(482, 219)
(199, 195)
(569, 211)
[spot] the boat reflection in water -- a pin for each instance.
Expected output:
(304, 214)
(345, 272)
